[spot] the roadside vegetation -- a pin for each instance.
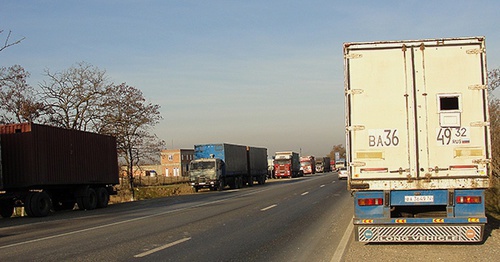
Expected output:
(493, 194)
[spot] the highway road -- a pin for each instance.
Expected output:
(301, 219)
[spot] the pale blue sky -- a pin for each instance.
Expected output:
(262, 73)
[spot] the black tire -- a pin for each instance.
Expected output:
(6, 208)
(232, 183)
(102, 197)
(262, 180)
(87, 199)
(38, 204)
(221, 185)
(27, 204)
(250, 181)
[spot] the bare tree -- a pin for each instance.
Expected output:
(18, 100)
(130, 119)
(493, 79)
(493, 194)
(8, 42)
(74, 97)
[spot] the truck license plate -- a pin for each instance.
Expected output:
(418, 199)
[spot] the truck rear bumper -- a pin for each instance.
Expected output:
(419, 233)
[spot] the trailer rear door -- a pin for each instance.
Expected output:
(416, 113)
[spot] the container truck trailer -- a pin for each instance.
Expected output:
(418, 139)
(287, 164)
(322, 164)
(216, 166)
(46, 168)
(308, 164)
(257, 165)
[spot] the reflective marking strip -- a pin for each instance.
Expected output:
(400, 221)
(473, 220)
(438, 220)
(435, 233)
(162, 247)
(269, 207)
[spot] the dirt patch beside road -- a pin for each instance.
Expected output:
(488, 251)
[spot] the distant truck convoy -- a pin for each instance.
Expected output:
(46, 168)
(322, 164)
(340, 163)
(287, 165)
(418, 139)
(308, 164)
(216, 166)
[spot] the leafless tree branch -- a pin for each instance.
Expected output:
(7, 39)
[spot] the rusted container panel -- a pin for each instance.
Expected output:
(39, 155)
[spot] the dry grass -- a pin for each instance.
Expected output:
(149, 192)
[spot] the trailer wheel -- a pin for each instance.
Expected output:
(87, 199)
(239, 182)
(221, 185)
(6, 208)
(38, 204)
(102, 197)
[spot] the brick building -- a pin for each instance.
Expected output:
(175, 162)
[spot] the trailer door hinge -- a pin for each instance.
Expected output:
(355, 128)
(475, 51)
(477, 87)
(479, 124)
(353, 56)
(357, 164)
(354, 91)
(481, 161)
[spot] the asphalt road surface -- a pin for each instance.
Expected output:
(301, 219)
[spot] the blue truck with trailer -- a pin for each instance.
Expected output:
(418, 139)
(216, 166)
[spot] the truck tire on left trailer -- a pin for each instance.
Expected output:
(87, 198)
(102, 197)
(38, 204)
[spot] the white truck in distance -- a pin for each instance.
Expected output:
(418, 139)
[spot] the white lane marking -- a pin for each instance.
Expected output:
(322, 186)
(305, 193)
(139, 218)
(269, 207)
(339, 252)
(162, 247)
(116, 223)
(333, 182)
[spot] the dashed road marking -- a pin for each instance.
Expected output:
(305, 193)
(149, 252)
(269, 207)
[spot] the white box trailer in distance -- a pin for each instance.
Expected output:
(417, 136)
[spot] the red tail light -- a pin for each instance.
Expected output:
(469, 200)
(370, 202)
